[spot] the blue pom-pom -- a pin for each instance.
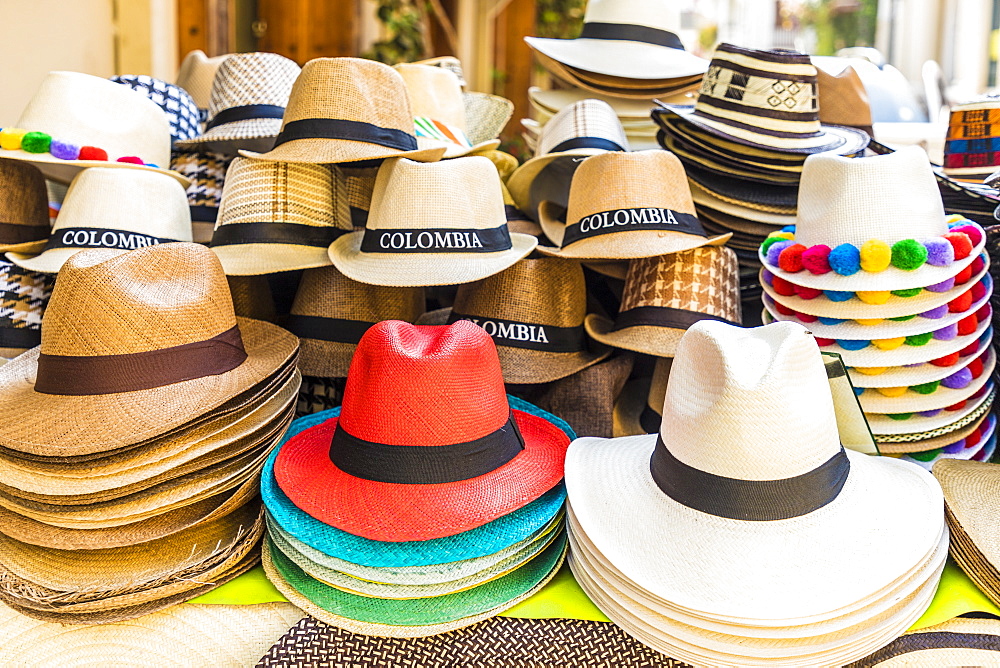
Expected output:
(838, 295)
(788, 228)
(852, 344)
(858, 391)
(830, 321)
(845, 259)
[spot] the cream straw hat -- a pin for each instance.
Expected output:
(432, 224)
(196, 74)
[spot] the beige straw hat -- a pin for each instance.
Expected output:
(76, 120)
(331, 312)
(170, 304)
(117, 209)
(486, 115)
(432, 224)
(623, 206)
(665, 295)
(278, 216)
(24, 208)
(843, 100)
(249, 95)
(675, 90)
(196, 74)
(347, 110)
(961, 641)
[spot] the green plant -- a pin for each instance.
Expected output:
(560, 18)
(405, 23)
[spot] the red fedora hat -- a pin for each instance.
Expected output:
(426, 445)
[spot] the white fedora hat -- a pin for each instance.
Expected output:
(633, 39)
(76, 120)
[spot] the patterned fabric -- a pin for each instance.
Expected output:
(974, 136)
(24, 297)
(360, 185)
(319, 394)
(252, 78)
(586, 118)
(498, 642)
(177, 104)
(439, 130)
(207, 172)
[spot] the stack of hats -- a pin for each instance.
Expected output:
(196, 75)
(128, 482)
(744, 143)
(971, 155)
(899, 290)
(782, 547)
(632, 114)
(429, 501)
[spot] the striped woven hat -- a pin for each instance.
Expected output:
(972, 146)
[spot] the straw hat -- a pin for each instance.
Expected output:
(176, 103)
(347, 110)
(249, 95)
(843, 100)
(916, 428)
(970, 152)
(119, 209)
(25, 296)
(626, 205)
(331, 313)
(24, 208)
(449, 63)
(764, 99)
(977, 446)
(665, 295)
(582, 129)
(76, 120)
(143, 286)
(675, 90)
(897, 241)
(196, 74)
(962, 641)
(432, 224)
(207, 174)
(639, 410)
(632, 39)
(486, 115)
(277, 216)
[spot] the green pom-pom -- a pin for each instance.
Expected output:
(919, 339)
(899, 416)
(909, 292)
(925, 456)
(36, 142)
(926, 388)
(903, 318)
(770, 241)
(908, 254)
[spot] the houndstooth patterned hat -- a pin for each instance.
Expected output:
(23, 296)
(181, 111)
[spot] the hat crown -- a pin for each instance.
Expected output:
(750, 404)
(252, 78)
(181, 110)
(660, 14)
(973, 134)
(326, 293)
(23, 198)
(196, 74)
(463, 193)
(434, 93)
(428, 386)
(157, 297)
(586, 118)
(853, 200)
(703, 280)
(207, 173)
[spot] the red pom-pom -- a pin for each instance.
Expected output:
(974, 438)
(961, 242)
(783, 287)
(984, 312)
(947, 360)
(805, 317)
(975, 236)
(92, 153)
(790, 259)
(963, 276)
(961, 303)
(976, 368)
(807, 293)
(978, 264)
(132, 160)
(816, 259)
(825, 342)
(956, 407)
(783, 310)
(978, 291)
(970, 349)
(967, 325)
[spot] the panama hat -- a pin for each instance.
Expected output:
(181, 111)
(278, 216)
(962, 641)
(639, 409)
(628, 89)
(113, 209)
(207, 174)
(196, 74)
(432, 224)
(665, 295)
(347, 110)
(331, 313)
(24, 208)
(25, 296)
(633, 40)
(843, 100)
(249, 94)
(76, 120)
(626, 205)
(978, 444)
(973, 140)
(917, 428)
(486, 115)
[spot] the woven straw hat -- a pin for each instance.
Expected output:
(24, 208)
(25, 296)
(432, 224)
(249, 95)
(331, 313)
(631, 39)
(843, 100)
(665, 295)
(970, 149)
(486, 115)
(76, 120)
(979, 445)
(640, 408)
(935, 442)
(278, 216)
(196, 74)
(913, 428)
(207, 173)
(676, 90)
(182, 112)
(347, 110)
(152, 313)
(961, 641)
(626, 205)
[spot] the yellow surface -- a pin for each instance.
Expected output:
(956, 595)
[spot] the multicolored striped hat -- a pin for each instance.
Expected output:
(972, 147)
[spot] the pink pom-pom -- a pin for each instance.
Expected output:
(816, 259)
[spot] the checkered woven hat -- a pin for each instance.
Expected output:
(23, 296)
(207, 172)
(177, 104)
(972, 148)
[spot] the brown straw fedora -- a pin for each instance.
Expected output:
(278, 216)
(843, 100)
(626, 205)
(438, 223)
(331, 313)
(665, 295)
(134, 345)
(347, 110)
(24, 208)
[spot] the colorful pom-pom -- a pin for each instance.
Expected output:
(783, 287)
(871, 370)
(967, 325)
(908, 254)
(908, 292)
(875, 297)
(852, 344)
(858, 391)
(805, 317)
(869, 321)
(831, 321)
(943, 286)
(774, 251)
(36, 142)
(838, 295)
(956, 407)
(899, 416)
(947, 360)
(876, 255)
(770, 241)
(961, 242)
(964, 276)
(807, 293)
(978, 291)
(790, 259)
(903, 318)
(891, 392)
(10, 138)
(940, 253)
(946, 333)
(919, 339)
(958, 380)
(930, 413)
(976, 367)
(926, 456)
(64, 150)
(889, 344)
(974, 232)
(788, 228)
(926, 388)
(131, 160)
(92, 153)
(820, 341)
(977, 265)
(816, 259)
(970, 349)
(961, 303)
(783, 310)
(936, 312)
(984, 312)
(845, 259)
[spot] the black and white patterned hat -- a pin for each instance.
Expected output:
(177, 104)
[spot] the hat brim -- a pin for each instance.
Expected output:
(966, 642)
(648, 339)
(873, 401)
(29, 248)
(552, 100)
(980, 452)
(899, 376)
(917, 426)
(629, 407)
(64, 171)
(519, 183)
(323, 151)
(255, 134)
(452, 150)
(260, 259)
(935, 442)
(621, 58)
(423, 269)
(702, 197)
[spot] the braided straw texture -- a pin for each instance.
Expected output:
(24, 199)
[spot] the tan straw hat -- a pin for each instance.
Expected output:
(196, 74)
(24, 208)
(331, 313)
(486, 115)
(961, 641)
(347, 110)
(639, 410)
(76, 120)
(432, 224)
(118, 209)
(843, 99)
(249, 94)
(162, 311)
(278, 216)
(665, 295)
(626, 205)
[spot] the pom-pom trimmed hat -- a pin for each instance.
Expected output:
(631, 39)
(76, 120)
(176, 103)
(438, 223)
(117, 209)
(626, 205)
(249, 94)
(347, 110)
(397, 465)
(848, 238)
(24, 208)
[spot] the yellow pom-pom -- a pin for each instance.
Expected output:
(871, 370)
(781, 235)
(953, 218)
(892, 391)
(877, 297)
(889, 344)
(869, 321)
(876, 255)
(10, 138)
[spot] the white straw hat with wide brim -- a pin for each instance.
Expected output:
(883, 425)
(872, 401)
(552, 100)
(899, 376)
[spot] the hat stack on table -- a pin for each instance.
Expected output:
(971, 155)
(381, 520)
(900, 291)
